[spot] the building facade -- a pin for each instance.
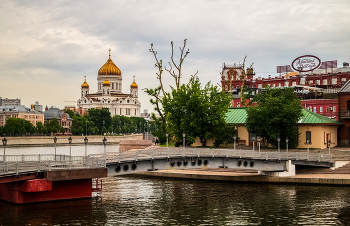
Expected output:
(63, 118)
(109, 93)
(317, 91)
(6, 102)
(14, 111)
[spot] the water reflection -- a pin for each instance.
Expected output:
(162, 201)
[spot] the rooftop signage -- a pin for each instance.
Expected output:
(306, 63)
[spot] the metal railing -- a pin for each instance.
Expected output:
(194, 152)
(16, 164)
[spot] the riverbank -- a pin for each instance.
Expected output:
(37, 141)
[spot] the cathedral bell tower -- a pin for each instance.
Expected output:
(84, 88)
(134, 89)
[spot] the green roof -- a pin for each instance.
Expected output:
(239, 116)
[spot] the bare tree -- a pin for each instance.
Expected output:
(174, 70)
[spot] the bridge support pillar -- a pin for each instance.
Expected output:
(290, 171)
(39, 190)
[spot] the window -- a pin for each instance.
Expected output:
(294, 83)
(82, 93)
(334, 81)
(334, 108)
(315, 109)
(321, 109)
(302, 81)
(348, 102)
(128, 101)
(259, 85)
(107, 91)
(308, 137)
(120, 111)
(135, 111)
(273, 85)
(286, 84)
(343, 80)
(324, 81)
(279, 84)
(318, 82)
(311, 81)
(112, 85)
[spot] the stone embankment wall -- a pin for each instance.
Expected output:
(63, 140)
(126, 145)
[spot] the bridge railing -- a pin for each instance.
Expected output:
(199, 152)
(15, 165)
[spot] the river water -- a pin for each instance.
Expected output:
(138, 200)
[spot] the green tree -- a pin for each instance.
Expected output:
(44, 131)
(276, 115)
(69, 112)
(197, 111)
(175, 70)
(110, 129)
(104, 130)
(39, 127)
(100, 117)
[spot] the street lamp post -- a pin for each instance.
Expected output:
(70, 147)
(278, 140)
(55, 141)
(329, 146)
(86, 142)
(4, 142)
(287, 140)
(234, 142)
(86, 128)
(308, 150)
(253, 138)
(259, 140)
(104, 150)
(184, 140)
(167, 136)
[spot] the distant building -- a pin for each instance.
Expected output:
(14, 111)
(63, 118)
(145, 114)
(5, 102)
(109, 94)
(37, 106)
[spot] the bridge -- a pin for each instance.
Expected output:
(24, 177)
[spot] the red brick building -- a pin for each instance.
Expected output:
(318, 90)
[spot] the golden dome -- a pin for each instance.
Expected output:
(133, 84)
(85, 85)
(109, 68)
(106, 83)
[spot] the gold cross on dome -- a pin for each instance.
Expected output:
(109, 52)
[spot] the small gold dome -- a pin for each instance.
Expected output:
(133, 84)
(106, 83)
(109, 68)
(85, 85)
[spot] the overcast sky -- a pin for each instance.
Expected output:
(46, 47)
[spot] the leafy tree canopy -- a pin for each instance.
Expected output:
(199, 112)
(276, 114)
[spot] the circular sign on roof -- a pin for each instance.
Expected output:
(306, 63)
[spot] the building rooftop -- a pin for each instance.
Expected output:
(239, 116)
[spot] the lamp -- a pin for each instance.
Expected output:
(70, 146)
(55, 141)
(4, 142)
(287, 140)
(86, 142)
(278, 140)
